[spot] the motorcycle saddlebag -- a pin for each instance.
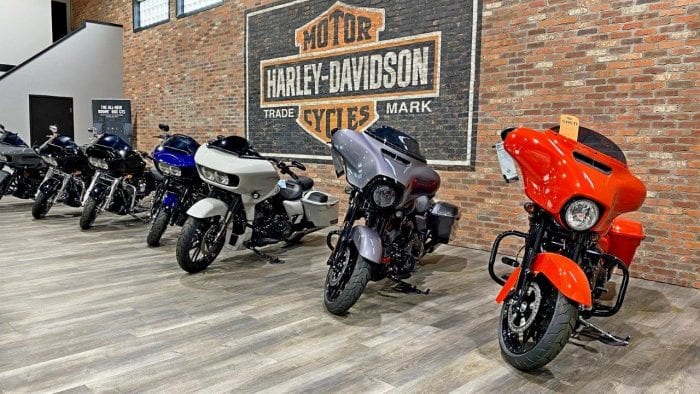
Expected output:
(442, 219)
(320, 208)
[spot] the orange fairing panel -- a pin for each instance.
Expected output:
(563, 273)
(552, 175)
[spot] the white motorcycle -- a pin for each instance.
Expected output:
(249, 206)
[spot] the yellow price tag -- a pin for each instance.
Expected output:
(568, 127)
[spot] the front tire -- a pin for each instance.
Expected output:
(196, 247)
(42, 205)
(87, 218)
(534, 332)
(158, 226)
(345, 284)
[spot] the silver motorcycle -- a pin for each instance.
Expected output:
(391, 190)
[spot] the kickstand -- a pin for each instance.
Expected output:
(270, 259)
(604, 337)
(408, 288)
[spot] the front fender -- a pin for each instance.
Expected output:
(171, 200)
(208, 207)
(4, 181)
(368, 243)
(98, 192)
(562, 272)
(50, 186)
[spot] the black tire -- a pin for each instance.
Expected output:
(42, 205)
(339, 298)
(157, 228)
(87, 218)
(551, 328)
(190, 239)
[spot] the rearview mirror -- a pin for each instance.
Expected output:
(298, 165)
(53, 128)
(164, 127)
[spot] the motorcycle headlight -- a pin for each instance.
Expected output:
(50, 161)
(214, 176)
(383, 195)
(167, 169)
(581, 215)
(99, 163)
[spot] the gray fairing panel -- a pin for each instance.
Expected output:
(364, 160)
(21, 156)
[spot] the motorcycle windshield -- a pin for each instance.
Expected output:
(237, 145)
(598, 142)
(114, 142)
(181, 143)
(64, 142)
(398, 140)
(12, 139)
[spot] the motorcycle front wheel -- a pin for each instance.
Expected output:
(532, 332)
(158, 226)
(42, 204)
(87, 218)
(197, 246)
(346, 281)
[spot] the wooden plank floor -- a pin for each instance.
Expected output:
(98, 311)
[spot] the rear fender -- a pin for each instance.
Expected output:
(368, 243)
(562, 272)
(207, 208)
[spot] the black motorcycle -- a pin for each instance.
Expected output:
(67, 176)
(121, 179)
(174, 159)
(21, 169)
(392, 189)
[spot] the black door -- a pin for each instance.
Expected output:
(59, 19)
(48, 110)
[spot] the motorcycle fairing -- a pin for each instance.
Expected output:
(561, 272)
(557, 169)
(367, 243)
(366, 158)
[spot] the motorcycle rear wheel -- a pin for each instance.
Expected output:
(534, 332)
(87, 218)
(157, 228)
(42, 205)
(344, 287)
(190, 256)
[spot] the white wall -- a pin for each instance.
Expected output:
(87, 65)
(25, 29)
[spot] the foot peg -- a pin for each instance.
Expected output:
(510, 261)
(408, 288)
(604, 337)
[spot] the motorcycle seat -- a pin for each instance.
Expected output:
(295, 188)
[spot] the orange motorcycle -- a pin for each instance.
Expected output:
(577, 241)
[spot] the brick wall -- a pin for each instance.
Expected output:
(627, 68)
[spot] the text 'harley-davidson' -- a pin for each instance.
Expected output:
(182, 187)
(67, 176)
(21, 169)
(248, 204)
(392, 188)
(121, 179)
(579, 185)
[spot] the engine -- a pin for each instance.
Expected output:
(271, 223)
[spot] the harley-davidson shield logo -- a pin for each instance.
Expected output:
(315, 65)
(343, 70)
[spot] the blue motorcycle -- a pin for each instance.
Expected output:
(174, 159)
